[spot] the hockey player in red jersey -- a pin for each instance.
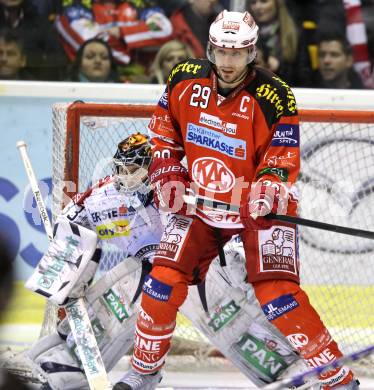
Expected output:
(237, 125)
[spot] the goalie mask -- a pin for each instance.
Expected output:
(131, 163)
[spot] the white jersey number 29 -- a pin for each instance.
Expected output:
(200, 96)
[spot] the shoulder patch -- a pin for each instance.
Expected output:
(273, 95)
(190, 69)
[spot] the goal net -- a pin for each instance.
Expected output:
(336, 186)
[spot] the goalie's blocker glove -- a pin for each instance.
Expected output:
(263, 199)
(169, 180)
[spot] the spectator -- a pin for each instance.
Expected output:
(12, 56)
(191, 23)
(335, 63)
(94, 63)
(358, 38)
(45, 57)
(288, 55)
(7, 380)
(170, 54)
(126, 28)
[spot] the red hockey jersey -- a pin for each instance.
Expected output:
(228, 142)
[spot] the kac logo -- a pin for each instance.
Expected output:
(212, 175)
(298, 340)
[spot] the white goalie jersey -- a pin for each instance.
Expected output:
(130, 223)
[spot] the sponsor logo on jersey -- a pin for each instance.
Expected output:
(256, 353)
(278, 250)
(271, 94)
(156, 289)
(286, 135)
(282, 173)
(146, 252)
(212, 175)
(325, 357)
(115, 305)
(279, 306)
(217, 123)
(163, 102)
(211, 139)
(298, 340)
(291, 101)
(173, 236)
(184, 67)
(223, 315)
(147, 351)
(54, 263)
(120, 228)
(113, 212)
(282, 160)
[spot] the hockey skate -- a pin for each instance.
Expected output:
(136, 381)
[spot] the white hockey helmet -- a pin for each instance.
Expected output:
(233, 30)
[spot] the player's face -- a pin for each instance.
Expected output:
(95, 64)
(11, 60)
(333, 62)
(264, 11)
(132, 175)
(231, 64)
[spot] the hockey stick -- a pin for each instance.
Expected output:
(76, 311)
(299, 380)
(216, 204)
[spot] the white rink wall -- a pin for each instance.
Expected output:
(26, 113)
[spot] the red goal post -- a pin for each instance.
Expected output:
(336, 185)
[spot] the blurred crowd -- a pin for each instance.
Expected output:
(309, 43)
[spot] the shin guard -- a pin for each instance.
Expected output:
(164, 291)
(287, 306)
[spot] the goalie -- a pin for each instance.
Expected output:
(119, 209)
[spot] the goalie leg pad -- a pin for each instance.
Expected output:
(113, 320)
(52, 359)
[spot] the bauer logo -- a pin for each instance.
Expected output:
(212, 175)
(115, 305)
(156, 289)
(223, 315)
(214, 140)
(255, 352)
(286, 135)
(279, 306)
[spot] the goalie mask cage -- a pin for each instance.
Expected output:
(336, 186)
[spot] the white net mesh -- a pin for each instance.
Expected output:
(336, 186)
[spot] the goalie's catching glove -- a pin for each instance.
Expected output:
(263, 199)
(169, 180)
